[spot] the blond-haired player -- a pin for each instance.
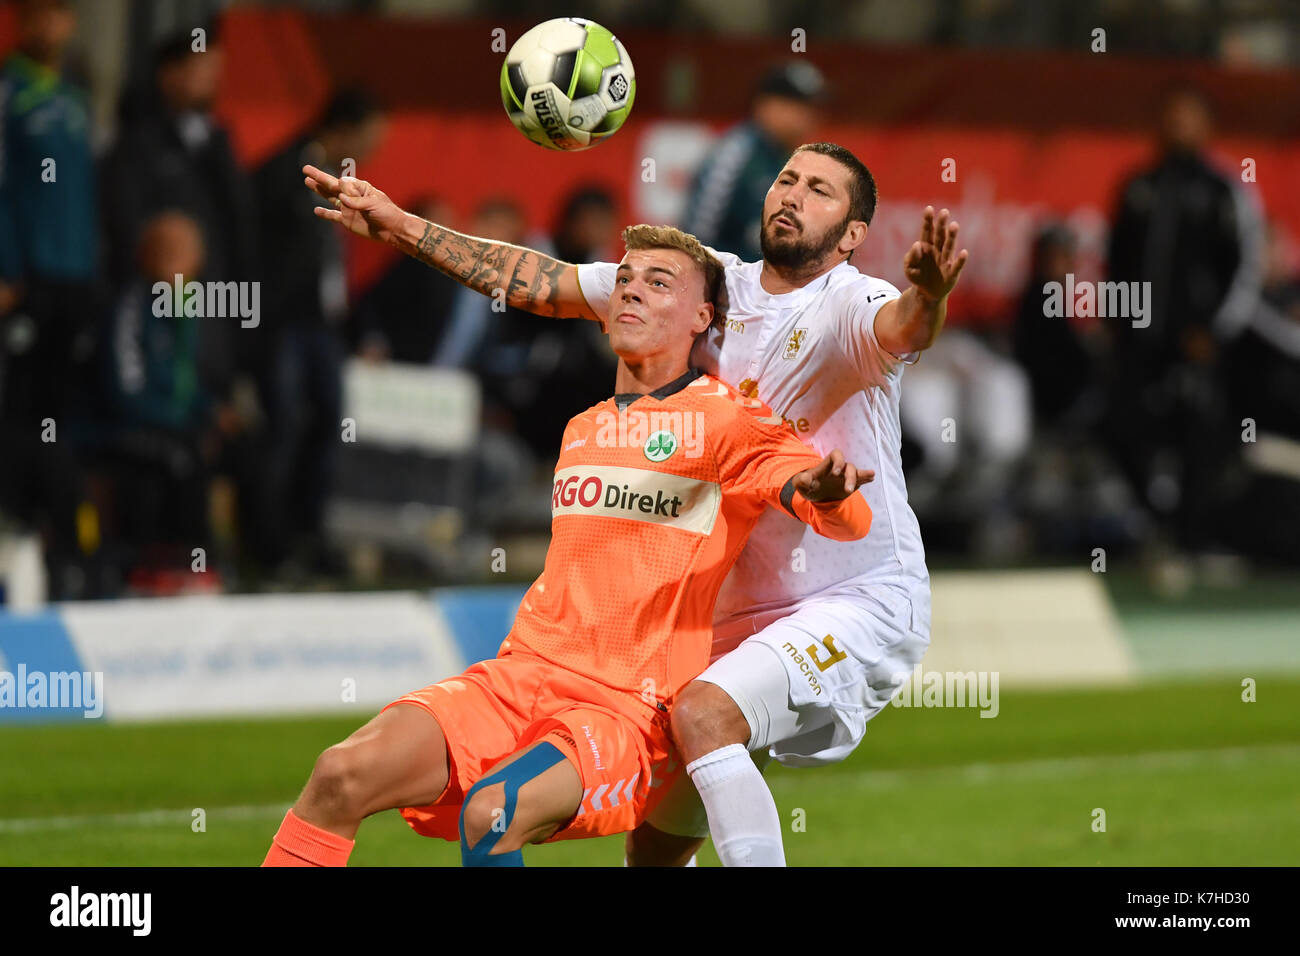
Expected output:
(812, 638)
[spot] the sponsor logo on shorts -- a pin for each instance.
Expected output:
(642, 495)
(591, 742)
(805, 667)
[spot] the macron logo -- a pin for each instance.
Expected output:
(102, 909)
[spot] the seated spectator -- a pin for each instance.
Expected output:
(301, 344)
(1053, 351)
(165, 426)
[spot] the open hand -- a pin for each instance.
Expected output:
(933, 263)
(831, 479)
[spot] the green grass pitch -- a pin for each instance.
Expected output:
(1187, 774)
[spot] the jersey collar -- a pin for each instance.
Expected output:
(795, 297)
(624, 399)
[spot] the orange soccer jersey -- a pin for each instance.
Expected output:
(654, 496)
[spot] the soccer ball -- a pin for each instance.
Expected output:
(567, 84)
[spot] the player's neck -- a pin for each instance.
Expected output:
(643, 376)
(778, 280)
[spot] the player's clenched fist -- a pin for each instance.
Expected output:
(831, 479)
(358, 205)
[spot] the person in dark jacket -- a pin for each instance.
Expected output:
(1051, 350)
(305, 301)
(1179, 228)
(48, 289)
(727, 191)
(173, 154)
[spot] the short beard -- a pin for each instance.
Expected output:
(801, 253)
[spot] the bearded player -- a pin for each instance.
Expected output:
(812, 637)
(561, 734)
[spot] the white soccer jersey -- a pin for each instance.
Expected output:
(813, 357)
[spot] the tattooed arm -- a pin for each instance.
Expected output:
(531, 280)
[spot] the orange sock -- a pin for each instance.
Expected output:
(299, 843)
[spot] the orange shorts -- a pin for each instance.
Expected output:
(619, 744)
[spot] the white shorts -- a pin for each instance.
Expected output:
(809, 678)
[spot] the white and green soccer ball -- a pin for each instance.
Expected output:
(568, 84)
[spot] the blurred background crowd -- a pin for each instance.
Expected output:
(130, 439)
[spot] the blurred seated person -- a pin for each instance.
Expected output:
(1054, 352)
(166, 428)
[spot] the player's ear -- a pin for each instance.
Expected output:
(703, 317)
(855, 234)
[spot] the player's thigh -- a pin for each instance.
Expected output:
(531, 793)
(398, 759)
(842, 658)
(615, 755)
(757, 678)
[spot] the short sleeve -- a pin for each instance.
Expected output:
(596, 280)
(854, 324)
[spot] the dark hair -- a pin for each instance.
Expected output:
(178, 46)
(349, 106)
(584, 198)
(862, 185)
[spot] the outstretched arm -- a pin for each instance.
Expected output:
(912, 322)
(530, 280)
(822, 497)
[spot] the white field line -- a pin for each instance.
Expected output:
(984, 771)
(141, 818)
(1151, 761)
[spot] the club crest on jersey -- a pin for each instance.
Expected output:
(794, 343)
(660, 445)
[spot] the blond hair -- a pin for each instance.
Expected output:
(645, 236)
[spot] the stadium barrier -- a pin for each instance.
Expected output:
(214, 656)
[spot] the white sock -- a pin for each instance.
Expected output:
(743, 819)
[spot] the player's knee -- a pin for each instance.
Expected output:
(484, 812)
(704, 718)
(336, 784)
